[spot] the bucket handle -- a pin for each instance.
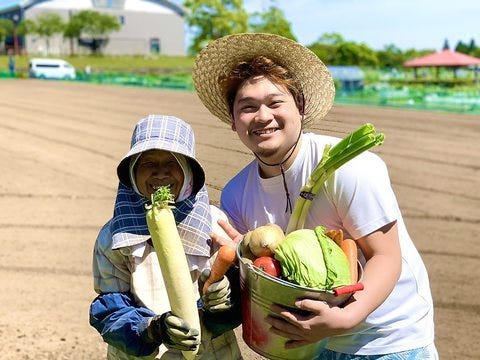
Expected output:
(347, 289)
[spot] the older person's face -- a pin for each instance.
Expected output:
(156, 168)
(266, 118)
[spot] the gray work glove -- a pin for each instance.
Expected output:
(218, 295)
(173, 332)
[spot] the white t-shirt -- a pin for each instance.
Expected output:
(358, 199)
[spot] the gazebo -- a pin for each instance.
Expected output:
(446, 58)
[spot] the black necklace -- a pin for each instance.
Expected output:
(282, 171)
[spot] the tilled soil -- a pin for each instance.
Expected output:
(61, 142)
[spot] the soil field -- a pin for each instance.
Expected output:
(60, 143)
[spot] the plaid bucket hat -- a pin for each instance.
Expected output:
(220, 56)
(192, 215)
(167, 133)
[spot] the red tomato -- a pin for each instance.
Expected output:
(269, 265)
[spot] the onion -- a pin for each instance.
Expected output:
(264, 240)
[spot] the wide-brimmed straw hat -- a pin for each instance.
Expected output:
(218, 58)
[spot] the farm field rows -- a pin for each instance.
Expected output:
(61, 142)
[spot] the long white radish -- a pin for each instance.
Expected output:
(173, 261)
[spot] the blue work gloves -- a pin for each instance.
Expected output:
(173, 332)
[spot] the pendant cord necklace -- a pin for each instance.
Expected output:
(282, 171)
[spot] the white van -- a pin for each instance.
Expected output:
(51, 69)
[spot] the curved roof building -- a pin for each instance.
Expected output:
(147, 26)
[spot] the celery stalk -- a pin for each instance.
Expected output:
(352, 145)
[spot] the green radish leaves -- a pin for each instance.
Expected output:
(161, 198)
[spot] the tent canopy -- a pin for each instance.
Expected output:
(447, 58)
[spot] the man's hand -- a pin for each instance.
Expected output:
(218, 295)
(173, 332)
(234, 236)
(312, 321)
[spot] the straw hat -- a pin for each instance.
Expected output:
(221, 55)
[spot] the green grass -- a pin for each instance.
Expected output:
(175, 73)
(125, 64)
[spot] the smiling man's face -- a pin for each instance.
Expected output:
(266, 118)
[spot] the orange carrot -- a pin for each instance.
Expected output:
(225, 258)
(349, 247)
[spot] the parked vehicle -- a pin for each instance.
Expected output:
(44, 68)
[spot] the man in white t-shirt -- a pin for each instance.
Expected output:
(269, 89)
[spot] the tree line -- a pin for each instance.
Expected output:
(89, 28)
(211, 19)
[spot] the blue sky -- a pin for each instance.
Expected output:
(419, 24)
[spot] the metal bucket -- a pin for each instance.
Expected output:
(259, 291)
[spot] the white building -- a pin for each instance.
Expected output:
(147, 26)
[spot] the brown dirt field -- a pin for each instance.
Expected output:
(60, 144)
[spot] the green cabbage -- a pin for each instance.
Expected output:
(310, 258)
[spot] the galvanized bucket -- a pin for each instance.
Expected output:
(259, 291)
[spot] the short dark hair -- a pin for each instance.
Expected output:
(259, 66)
